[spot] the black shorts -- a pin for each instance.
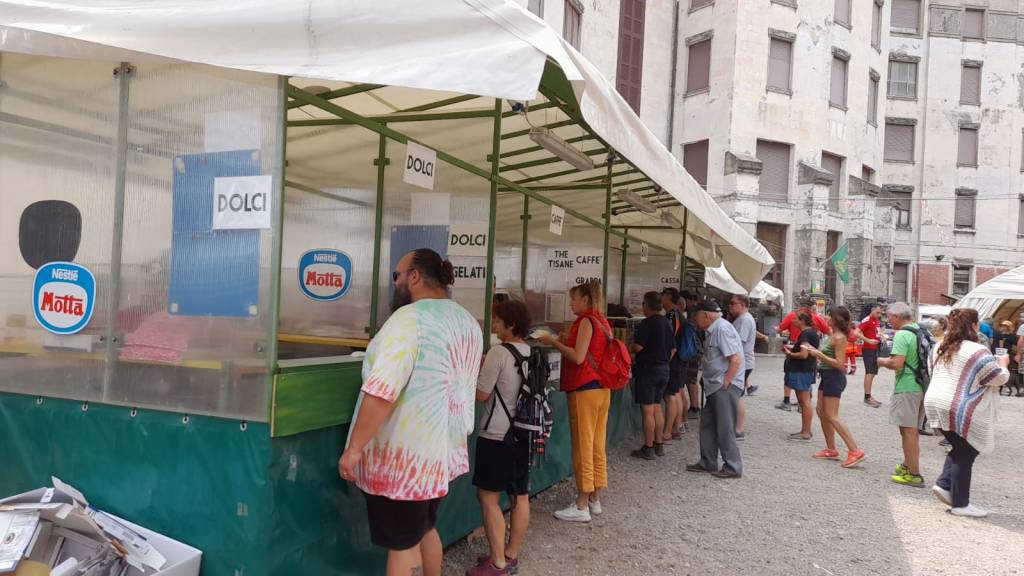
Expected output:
(675, 381)
(870, 361)
(400, 524)
(501, 468)
(649, 390)
(833, 382)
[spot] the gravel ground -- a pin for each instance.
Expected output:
(789, 515)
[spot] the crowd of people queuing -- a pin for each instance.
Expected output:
(425, 368)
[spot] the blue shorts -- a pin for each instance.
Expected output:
(800, 381)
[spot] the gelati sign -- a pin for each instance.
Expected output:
(242, 202)
(325, 275)
(420, 165)
(64, 297)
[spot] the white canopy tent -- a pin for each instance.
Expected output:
(479, 47)
(720, 278)
(1001, 298)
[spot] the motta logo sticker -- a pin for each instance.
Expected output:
(64, 297)
(325, 275)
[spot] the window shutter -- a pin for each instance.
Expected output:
(974, 24)
(906, 14)
(774, 181)
(842, 11)
(694, 4)
(698, 70)
(873, 100)
(779, 58)
(899, 142)
(967, 150)
(837, 95)
(1020, 218)
(537, 7)
(629, 75)
(964, 217)
(970, 85)
(876, 25)
(834, 165)
(695, 160)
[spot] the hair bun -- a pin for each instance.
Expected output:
(447, 273)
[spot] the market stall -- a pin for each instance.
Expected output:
(1001, 298)
(206, 243)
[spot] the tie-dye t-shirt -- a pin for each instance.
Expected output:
(425, 359)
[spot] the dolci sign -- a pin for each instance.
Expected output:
(242, 202)
(325, 275)
(420, 165)
(64, 297)
(467, 240)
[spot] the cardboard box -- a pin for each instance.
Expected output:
(68, 526)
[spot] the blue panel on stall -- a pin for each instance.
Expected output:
(213, 272)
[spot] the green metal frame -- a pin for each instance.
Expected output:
(281, 134)
(378, 228)
(492, 222)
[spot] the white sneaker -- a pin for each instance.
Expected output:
(969, 511)
(943, 495)
(595, 508)
(573, 514)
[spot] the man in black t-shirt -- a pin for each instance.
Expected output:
(654, 346)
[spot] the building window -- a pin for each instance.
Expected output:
(963, 217)
(974, 24)
(696, 4)
(698, 67)
(834, 165)
(780, 59)
(906, 15)
(900, 273)
(902, 79)
(831, 284)
(899, 201)
(695, 160)
(537, 7)
(1020, 217)
(837, 93)
(873, 98)
(572, 24)
(899, 142)
(867, 174)
(967, 147)
(773, 237)
(961, 280)
(970, 83)
(773, 184)
(629, 79)
(841, 15)
(876, 26)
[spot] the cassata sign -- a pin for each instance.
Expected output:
(64, 297)
(325, 275)
(420, 165)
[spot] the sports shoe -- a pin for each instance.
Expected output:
(872, 402)
(595, 510)
(945, 443)
(659, 450)
(573, 514)
(943, 495)
(697, 468)
(741, 436)
(901, 470)
(487, 569)
(826, 454)
(853, 458)
(969, 511)
(798, 437)
(909, 479)
(511, 564)
(786, 406)
(645, 453)
(693, 414)
(926, 432)
(751, 389)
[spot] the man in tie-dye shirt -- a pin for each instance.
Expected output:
(415, 412)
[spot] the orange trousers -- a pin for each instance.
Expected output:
(588, 421)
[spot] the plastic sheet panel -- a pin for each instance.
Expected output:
(459, 201)
(655, 274)
(334, 209)
(207, 356)
(58, 127)
(202, 482)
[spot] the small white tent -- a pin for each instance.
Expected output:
(1001, 298)
(720, 278)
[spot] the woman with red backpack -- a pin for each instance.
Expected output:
(583, 350)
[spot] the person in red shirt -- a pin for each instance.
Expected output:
(819, 324)
(871, 329)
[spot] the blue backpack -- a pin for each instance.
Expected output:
(687, 344)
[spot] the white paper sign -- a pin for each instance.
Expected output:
(645, 251)
(467, 240)
(675, 265)
(669, 281)
(470, 272)
(242, 202)
(420, 166)
(557, 219)
(232, 130)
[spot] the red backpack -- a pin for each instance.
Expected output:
(615, 368)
